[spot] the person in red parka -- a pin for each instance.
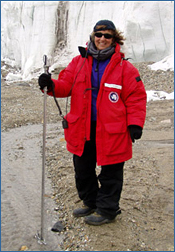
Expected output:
(107, 114)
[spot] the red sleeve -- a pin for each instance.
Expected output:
(134, 95)
(63, 85)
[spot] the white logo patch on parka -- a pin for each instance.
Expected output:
(113, 97)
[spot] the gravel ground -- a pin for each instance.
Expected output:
(147, 200)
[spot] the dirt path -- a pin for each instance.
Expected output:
(21, 172)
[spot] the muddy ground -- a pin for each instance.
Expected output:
(147, 200)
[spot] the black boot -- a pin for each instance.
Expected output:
(84, 211)
(97, 219)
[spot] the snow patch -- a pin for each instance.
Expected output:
(13, 77)
(159, 95)
(166, 64)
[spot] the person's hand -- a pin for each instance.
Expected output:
(45, 81)
(135, 132)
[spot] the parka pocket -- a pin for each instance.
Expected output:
(116, 127)
(111, 103)
(111, 95)
(72, 132)
(116, 138)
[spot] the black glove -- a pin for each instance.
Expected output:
(135, 132)
(45, 81)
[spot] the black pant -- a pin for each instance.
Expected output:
(106, 196)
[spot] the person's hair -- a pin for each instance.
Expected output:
(117, 35)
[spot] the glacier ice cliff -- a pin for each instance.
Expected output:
(30, 29)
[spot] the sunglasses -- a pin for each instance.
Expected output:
(106, 35)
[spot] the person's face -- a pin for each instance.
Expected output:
(102, 42)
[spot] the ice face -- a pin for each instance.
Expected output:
(30, 29)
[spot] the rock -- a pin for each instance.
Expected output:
(57, 227)
(23, 248)
(166, 121)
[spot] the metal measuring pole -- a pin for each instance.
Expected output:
(46, 70)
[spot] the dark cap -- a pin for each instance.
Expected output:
(107, 23)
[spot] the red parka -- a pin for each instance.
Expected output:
(121, 102)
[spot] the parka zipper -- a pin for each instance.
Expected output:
(97, 70)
